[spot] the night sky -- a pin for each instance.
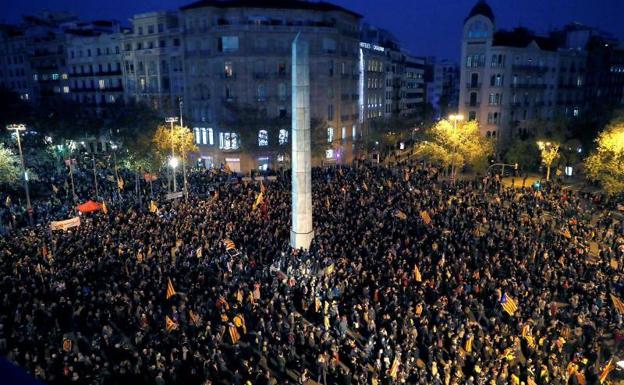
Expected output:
(424, 27)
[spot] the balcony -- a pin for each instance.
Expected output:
(529, 86)
(473, 86)
(473, 104)
(228, 76)
(530, 68)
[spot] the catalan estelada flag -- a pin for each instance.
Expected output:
(170, 324)
(170, 290)
(619, 306)
(509, 305)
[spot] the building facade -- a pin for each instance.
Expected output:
(510, 78)
(95, 76)
(443, 90)
(237, 68)
(153, 61)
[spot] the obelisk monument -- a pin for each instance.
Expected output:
(301, 232)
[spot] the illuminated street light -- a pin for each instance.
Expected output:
(171, 120)
(17, 128)
(174, 162)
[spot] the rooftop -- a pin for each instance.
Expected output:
(280, 4)
(521, 38)
(482, 8)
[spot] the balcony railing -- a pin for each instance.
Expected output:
(473, 104)
(472, 86)
(529, 86)
(529, 67)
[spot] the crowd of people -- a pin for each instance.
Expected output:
(404, 282)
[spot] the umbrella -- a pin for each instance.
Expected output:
(89, 206)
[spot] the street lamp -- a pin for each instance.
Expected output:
(173, 162)
(172, 119)
(454, 118)
(17, 128)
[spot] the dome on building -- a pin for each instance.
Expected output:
(482, 8)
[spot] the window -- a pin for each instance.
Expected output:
(196, 131)
(472, 115)
(228, 43)
(344, 133)
(329, 45)
(263, 138)
(281, 91)
(473, 99)
(228, 141)
(478, 29)
(101, 84)
(261, 92)
(330, 112)
(353, 132)
(228, 69)
(283, 136)
(65, 89)
(329, 154)
(330, 134)
(150, 29)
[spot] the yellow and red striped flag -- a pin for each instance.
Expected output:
(509, 304)
(417, 275)
(170, 290)
(468, 346)
(619, 305)
(234, 336)
(394, 369)
(170, 324)
(229, 245)
(258, 202)
(194, 318)
(607, 369)
(425, 217)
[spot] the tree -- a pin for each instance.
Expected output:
(549, 152)
(456, 145)
(182, 141)
(523, 152)
(606, 163)
(9, 167)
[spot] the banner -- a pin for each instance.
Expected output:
(66, 224)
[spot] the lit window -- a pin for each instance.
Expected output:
(330, 135)
(204, 136)
(575, 112)
(228, 141)
(210, 137)
(280, 157)
(263, 138)
(101, 84)
(228, 43)
(64, 76)
(329, 154)
(344, 133)
(283, 136)
(55, 76)
(197, 135)
(229, 69)
(65, 89)
(353, 132)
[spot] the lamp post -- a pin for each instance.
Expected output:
(172, 120)
(17, 128)
(454, 118)
(183, 156)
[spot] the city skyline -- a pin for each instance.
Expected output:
(413, 24)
